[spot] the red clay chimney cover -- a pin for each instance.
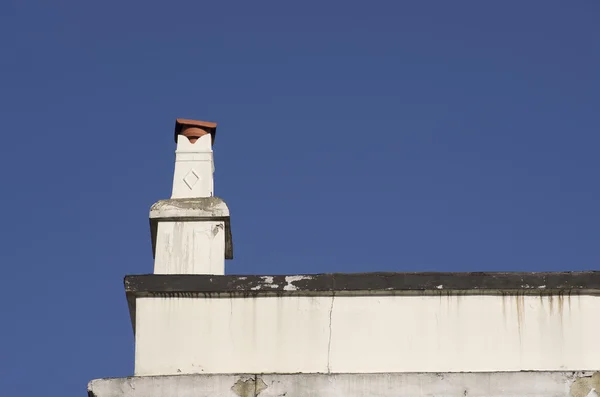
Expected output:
(181, 125)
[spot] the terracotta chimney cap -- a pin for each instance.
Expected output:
(182, 124)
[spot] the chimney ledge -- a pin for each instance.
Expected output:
(194, 207)
(191, 209)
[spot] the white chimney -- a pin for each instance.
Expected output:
(190, 232)
(194, 165)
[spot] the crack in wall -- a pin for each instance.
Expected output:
(259, 385)
(330, 332)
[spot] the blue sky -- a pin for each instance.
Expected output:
(353, 136)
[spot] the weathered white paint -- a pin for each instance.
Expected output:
(507, 384)
(445, 332)
(220, 335)
(189, 208)
(290, 282)
(190, 247)
(194, 168)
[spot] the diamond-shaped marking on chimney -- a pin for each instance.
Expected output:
(191, 179)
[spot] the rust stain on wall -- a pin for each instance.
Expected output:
(520, 303)
(561, 303)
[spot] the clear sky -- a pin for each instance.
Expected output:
(353, 136)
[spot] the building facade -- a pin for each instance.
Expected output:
(199, 332)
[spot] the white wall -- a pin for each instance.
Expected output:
(352, 334)
(190, 247)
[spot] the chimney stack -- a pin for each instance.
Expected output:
(194, 165)
(191, 231)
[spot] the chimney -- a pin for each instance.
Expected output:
(191, 231)
(194, 165)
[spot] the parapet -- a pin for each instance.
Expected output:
(365, 323)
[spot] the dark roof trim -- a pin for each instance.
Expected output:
(354, 282)
(217, 286)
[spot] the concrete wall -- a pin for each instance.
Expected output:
(520, 384)
(447, 332)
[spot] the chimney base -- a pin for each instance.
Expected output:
(191, 236)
